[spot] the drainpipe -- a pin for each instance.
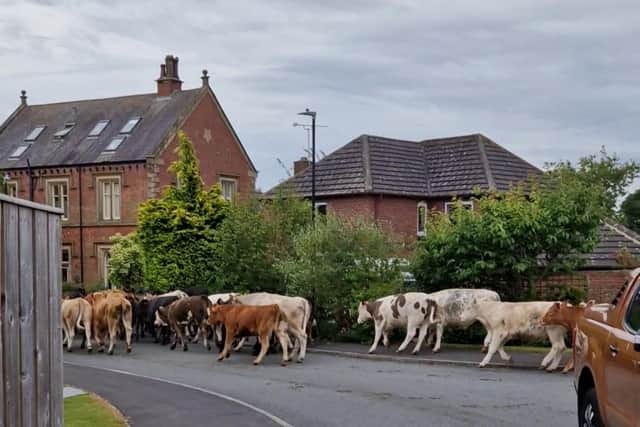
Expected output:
(81, 226)
(30, 171)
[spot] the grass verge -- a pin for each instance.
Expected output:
(88, 410)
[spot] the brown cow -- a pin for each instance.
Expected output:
(109, 310)
(186, 311)
(567, 315)
(252, 320)
(76, 313)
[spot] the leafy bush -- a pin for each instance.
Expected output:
(125, 264)
(177, 231)
(336, 263)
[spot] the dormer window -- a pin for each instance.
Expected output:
(35, 133)
(130, 125)
(64, 131)
(99, 127)
(115, 143)
(18, 152)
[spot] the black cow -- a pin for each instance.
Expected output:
(160, 333)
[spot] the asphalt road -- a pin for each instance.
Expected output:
(324, 391)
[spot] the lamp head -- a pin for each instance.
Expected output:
(306, 112)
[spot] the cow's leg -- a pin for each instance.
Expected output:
(301, 339)
(430, 335)
(126, 322)
(71, 333)
(283, 337)
(557, 348)
(378, 333)
(497, 340)
(385, 338)
(568, 367)
(503, 354)
(439, 332)
(205, 335)
(87, 337)
(264, 347)
(487, 338)
(113, 332)
(421, 335)
(411, 332)
(240, 344)
(226, 351)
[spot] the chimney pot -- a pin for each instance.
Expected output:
(23, 97)
(301, 165)
(169, 81)
(205, 78)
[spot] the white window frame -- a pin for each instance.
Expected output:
(98, 128)
(449, 205)
(234, 181)
(65, 264)
(104, 255)
(65, 197)
(12, 184)
(114, 213)
(18, 152)
(322, 204)
(421, 205)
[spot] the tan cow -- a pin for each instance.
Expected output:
(567, 315)
(76, 313)
(252, 320)
(109, 310)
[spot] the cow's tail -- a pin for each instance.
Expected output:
(433, 306)
(306, 317)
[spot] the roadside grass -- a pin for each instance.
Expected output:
(508, 348)
(89, 410)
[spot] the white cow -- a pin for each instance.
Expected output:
(413, 311)
(179, 294)
(505, 320)
(296, 309)
(224, 298)
(459, 308)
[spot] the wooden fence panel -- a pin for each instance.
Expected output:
(30, 324)
(43, 388)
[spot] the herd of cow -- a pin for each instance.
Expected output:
(230, 318)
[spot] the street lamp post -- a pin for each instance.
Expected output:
(312, 114)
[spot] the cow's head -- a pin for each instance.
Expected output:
(216, 315)
(564, 313)
(363, 312)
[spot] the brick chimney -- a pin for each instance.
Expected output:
(301, 165)
(169, 82)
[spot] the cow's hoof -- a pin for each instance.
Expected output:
(255, 363)
(89, 350)
(185, 348)
(128, 349)
(434, 351)
(69, 350)
(208, 348)
(101, 350)
(415, 353)
(173, 347)
(283, 363)
(110, 353)
(300, 360)
(481, 365)
(483, 350)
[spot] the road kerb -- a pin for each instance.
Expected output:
(416, 360)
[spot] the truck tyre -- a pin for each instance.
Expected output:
(589, 413)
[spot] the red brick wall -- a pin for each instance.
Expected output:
(599, 285)
(221, 156)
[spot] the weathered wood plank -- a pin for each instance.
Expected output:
(2, 315)
(41, 265)
(12, 315)
(27, 327)
(55, 289)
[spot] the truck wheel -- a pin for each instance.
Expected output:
(589, 414)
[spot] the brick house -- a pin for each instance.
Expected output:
(395, 183)
(99, 159)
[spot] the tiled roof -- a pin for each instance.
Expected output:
(613, 237)
(429, 168)
(159, 115)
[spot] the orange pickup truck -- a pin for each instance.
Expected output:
(606, 353)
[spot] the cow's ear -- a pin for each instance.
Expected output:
(220, 301)
(557, 304)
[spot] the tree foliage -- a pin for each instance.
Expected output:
(335, 264)
(253, 237)
(604, 171)
(177, 231)
(125, 264)
(511, 239)
(630, 210)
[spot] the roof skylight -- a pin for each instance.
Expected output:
(115, 143)
(64, 131)
(18, 151)
(35, 133)
(99, 127)
(128, 127)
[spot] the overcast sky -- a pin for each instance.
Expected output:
(548, 80)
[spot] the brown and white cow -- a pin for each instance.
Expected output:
(297, 311)
(182, 312)
(458, 307)
(412, 311)
(76, 313)
(567, 315)
(252, 320)
(109, 310)
(505, 320)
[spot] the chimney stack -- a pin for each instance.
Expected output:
(301, 165)
(205, 78)
(169, 82)
(23, 97)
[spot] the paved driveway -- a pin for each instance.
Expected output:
(329, 390)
